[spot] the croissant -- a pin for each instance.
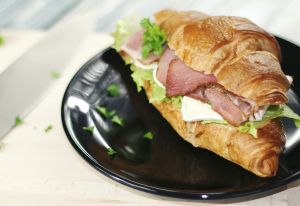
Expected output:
(233, 57)
(242, 56)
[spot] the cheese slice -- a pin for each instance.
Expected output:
(145, 66)
(195, 110)
(156, 80)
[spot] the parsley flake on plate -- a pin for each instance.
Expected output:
(48, 128)
(55, 74)
(105, 112)
(148, 135)
(118, 120)
(113, 90)
(111, 152)
(18, 121)
(89, 129)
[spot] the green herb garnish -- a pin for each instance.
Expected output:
(105, 112)
(148, 135)
(153, 40)
(118, 120)
(18, 121)
(89, 129)
(110, 114)
(48, 128)
(55, 74)
(113, 90)
(111, 152)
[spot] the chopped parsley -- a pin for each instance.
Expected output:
(105, 112)
(18, 121)
(110, 115)
(113, 90)
(55, 74)
(48, 128)
(111, 152)
(153, 40)
(148, 135)
(89, 129)
(118, 120)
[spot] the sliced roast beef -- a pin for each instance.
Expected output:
(247, 106)
(222, 104)
(232, 108)
(182, 80)
(199, 94)
(163, 65)
(133, 48)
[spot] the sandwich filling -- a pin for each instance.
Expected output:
(199, 96)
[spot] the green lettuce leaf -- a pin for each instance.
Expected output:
(248, 127)
(222, 122)
(153, 40)
(176, 101)
(274, 111)
(297, 123)
(140, 75)
(289, 113)
(124, 28)
(158, 93)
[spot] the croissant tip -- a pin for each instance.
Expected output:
(268, 167)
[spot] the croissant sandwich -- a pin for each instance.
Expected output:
(216, 79)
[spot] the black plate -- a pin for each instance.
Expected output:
(166, 165)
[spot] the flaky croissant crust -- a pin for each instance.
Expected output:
(243, 57)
